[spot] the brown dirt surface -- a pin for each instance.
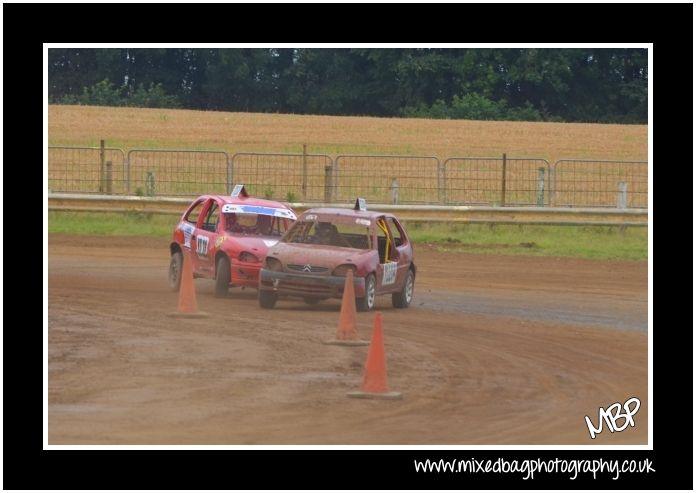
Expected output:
(493, 350)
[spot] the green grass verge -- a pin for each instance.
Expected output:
(593, 242)
(112, 224)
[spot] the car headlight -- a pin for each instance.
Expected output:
(248, 257)
(273, 264)
(343, 269)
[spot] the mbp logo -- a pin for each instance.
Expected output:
(613, 414)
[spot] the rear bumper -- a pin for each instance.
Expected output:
(287, 284)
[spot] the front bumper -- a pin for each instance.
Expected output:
(301, 285)
(244, 273)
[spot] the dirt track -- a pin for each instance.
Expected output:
(494, 350)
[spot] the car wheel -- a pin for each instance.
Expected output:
(222, 277)
(403, 298)
(312, 301)
(267, 299)
(368, 302)
(176, 265)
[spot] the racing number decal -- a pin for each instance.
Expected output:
(389, 276)
(202, 245)
(188, 232)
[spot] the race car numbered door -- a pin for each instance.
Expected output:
(203, 238)
(388, 268)
(402, 248)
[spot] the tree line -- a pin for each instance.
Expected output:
(552, 84)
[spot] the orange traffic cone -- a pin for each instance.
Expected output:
(187, 307)
(375, 381)
(347, 333)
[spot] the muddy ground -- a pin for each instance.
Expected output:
(494, 350)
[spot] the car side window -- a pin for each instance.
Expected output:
(396, 231)
(279, 226)
(211, 219)
(195, 213)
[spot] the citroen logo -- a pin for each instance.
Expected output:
(307, 268)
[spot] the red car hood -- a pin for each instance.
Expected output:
(320, 255)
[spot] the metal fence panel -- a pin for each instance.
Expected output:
(496, 181)
(287, 177)
(388, 179)
(177, 172)
(590, 183)
(80, 170)
(378, 178)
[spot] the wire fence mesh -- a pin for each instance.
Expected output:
(388, 179)
(288, 177)
(492, 181)
(86, 170)
(588, 183)
(178, 172)
(496, 181)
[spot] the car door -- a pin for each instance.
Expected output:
(204, 239)
(403, 251)
(387, 269)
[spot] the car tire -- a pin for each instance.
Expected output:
(222, 277)
(176, 265)
(403, 298)
(312, 301)
(267, 299)
(367, 303)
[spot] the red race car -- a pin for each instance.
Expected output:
(228, 238)
(312, 259)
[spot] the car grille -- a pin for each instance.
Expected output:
(314, 269)
(302, 288)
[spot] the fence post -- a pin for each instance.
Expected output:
(622, 196)
(101, 166)
(335, 169)
(395, 191)
(502, 192)
(150, 184)
(540, 188)
(126, 170)
(109, 178)
(304, 172)
(229, 174)
(552, 185)
(328, 183)
(441, 183)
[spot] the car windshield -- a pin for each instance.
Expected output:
(255, 224)
(341, 232)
